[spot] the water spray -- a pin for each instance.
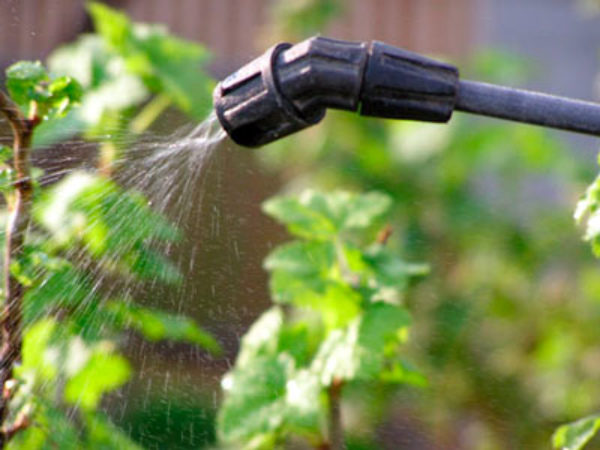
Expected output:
(290, 87)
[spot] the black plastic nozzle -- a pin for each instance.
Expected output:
(402, 85)
(290, 87)
(251, 106)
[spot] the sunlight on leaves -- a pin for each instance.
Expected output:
(85, 388)
(157, 325)
(575, 435)
(36, 343)
(332, 326)
(90, 235)
(256, 402)
(23, 80)
(588, 211)
(265, 393)
(314, 215)
(165, 63)
(35, 91)
(115, 226)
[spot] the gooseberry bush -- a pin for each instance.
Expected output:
(70, 246)
(338, 318)
(576, 435)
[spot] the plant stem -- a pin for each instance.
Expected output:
(384, 235)
(19, 216)
(108, 155)
(148, 115)
(109, 152)
(336, 431)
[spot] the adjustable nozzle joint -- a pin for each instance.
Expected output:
(290, 87)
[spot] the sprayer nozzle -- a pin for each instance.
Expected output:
(290, 87)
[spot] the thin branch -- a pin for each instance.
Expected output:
(336, 430)
(384, 234)
(13, 114)
(22, 422)
(19, 216)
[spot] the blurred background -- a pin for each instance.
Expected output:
(506, 324)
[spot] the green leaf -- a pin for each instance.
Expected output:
(64, 92)
(588, 210)
(7, 178)
(262, 337)
(36, 352)
(109, 90)
(381, 325)
(6, 153)
(575, 435)
(151, 264)
(300, 339)
(55, 283)
(264, 393)
(302, 406)
(403, 373)
(87, 59)
(102, 434)
(111, 24)
(165, 63)
(360, 351)
(86, 387)
(115, 226)
(28, 82)
(336, 358)
(389, 270)
(335, 301)
(362, 211)
(314, 215)
(156, 325)
(379, 273)
(271, 334)
(266, 397)
(302, 258)
(304, 275)
(23, 82)
(254, 398)
(300, 219)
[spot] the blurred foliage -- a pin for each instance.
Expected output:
(91, 236)
(29, 85)
(588, 209)
(505, 328)
(120, 67)
(190, 423)
(589, 6)
(502, 67)
(576, 435)
(339, 318)
(488, 205)
(302, 18)
(161, 61)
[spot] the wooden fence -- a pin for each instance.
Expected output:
(31, 28)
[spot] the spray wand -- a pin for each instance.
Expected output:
(290, 88)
